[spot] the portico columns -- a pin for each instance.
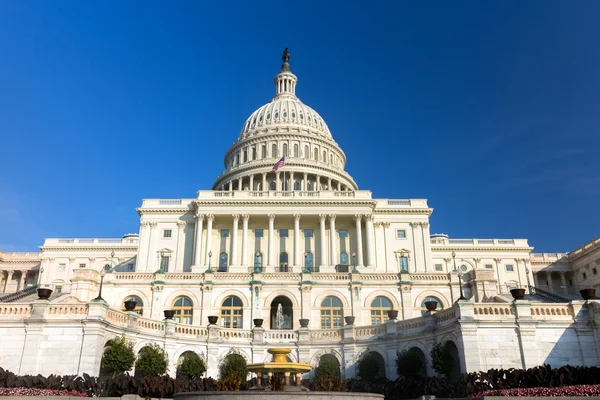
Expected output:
(198, 241)
(297, 258)
(234, 240)
(251, 182)
(359, 248)
(305, 182)
(323, 259)
(370, 235)
(563, 281)
(270, 258)
(264, 181)
(209, 218)
(332, 239)
(245, 219)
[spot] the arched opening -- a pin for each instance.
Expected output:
(139, 304)
(296, 150)
(258, 261)
(223, 262)
(371, 367)
(283, 320)
(452, 352)
(412, 363)
(316, 154)
(273, 186)
(296, 185)
(379, 308)
(328, 365)
(274, 150)
(332, 313)
(285, 149)
(306, 152)
(309, 261)
(283, 262)
(194, 366)
(439, 305)
(184, 309)
(232, 313)
(234, 365)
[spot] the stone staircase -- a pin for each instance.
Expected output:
(27, 295)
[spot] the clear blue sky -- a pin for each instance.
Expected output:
(489, 109)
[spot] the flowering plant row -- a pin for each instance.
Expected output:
(579, 390)
(39, 392)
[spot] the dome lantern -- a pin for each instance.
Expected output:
(285, 81)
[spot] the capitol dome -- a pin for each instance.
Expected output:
(285, 128)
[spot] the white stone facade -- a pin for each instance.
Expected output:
(304, 236)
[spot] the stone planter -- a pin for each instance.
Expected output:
(518, 294)
(431, 305)
(169, 314)
(304, 322)
(392, 314)
(130, 305)
(258, 322)
(349, 320)
(588, 294)
(212, 319)
(44, 293)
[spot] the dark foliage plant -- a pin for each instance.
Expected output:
(368, 367)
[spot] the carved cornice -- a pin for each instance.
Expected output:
(95, 248)
(289, 202)
(480, 249)
(419, 211)
(148, 211)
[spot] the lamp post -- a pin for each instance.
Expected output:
(460, 274)
(209, 257)
(528, 281)
(305, 269)
(102, 274)
(354, 270)
(257, 268)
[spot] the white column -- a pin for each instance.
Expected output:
(271, 243)
(240, 181)
(264, 181)
(323, 260)
(251, 182)
(370, 235)
(198, 243)
(359, 248)
(179, 252)
(142, 256)
(304, 182)
(332, 240)
(297, 251)
(245, 218)
(152, 260)
(278, 186)
(209, 223)
(234, 240)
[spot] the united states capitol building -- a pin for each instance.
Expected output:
(350, 273)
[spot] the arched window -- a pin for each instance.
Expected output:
(344, 258)
(139, 306)
(316, 154)
(184, 309)
(332, 313)
(324, 156)
(296, 185)
(283, 262)
(223, 262)
(424, 308)
(306, 152)
(379, 308)
(258, 261)
(273, 186)
(285, 152)
(331, 159)
(274, 150)
(308, 261)
(231, 313)
(264, 152)
(296, 150)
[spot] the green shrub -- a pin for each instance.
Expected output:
(409, 363)
(328, 366)
(368, 367)
(441, 359)
(119, 356)
(234, 366)
(192, 366)
(152, 360)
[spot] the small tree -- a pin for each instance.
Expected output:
(152, 360)
(234, 366)
(368, 367)
(192, 366)
(441, 359)
(328, 365)
(119, 356)
(409, 363)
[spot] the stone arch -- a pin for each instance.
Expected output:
(432, 293)
(181, 350)
(233, 350)
(135, 292)
(218, 302)
(381, 293)
(168, 302)
(319, 299)
(314, 360)
(424, 354)
(281, 292)
(140, 345)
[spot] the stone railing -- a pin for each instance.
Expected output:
(340, 276)
(235, 334)
(187, 330)
(275, 194)
(146, 324)
(230, 276)
(492, 310)
(444, 316)
(183, 276)
(369, 331)
(553, 310)
(281, 336)
(71, 311)
(281, 276)
(427, 277)
(332, 335)
(378, 277)
(133, 276)
(15, 310)
(128, 241)
(116, 317)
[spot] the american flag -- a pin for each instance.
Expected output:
(279, 164)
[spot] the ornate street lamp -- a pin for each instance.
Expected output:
(305, 269)
(102, 274)
(354, 270)
(460, 274)
(528, 281)
(257, 268)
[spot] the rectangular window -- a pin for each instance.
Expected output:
(258, 233)
(584, 275)
(595, 271)
(509, 268)
(254, 153)
(308, 233)
(81, 265)
(489, 266)
(167, 233)
(283, 233)
(400, 234)
(58, 289)
(62, 267)
(439, 267)
(404, 264)
(130, 267)
(343, 233)
(224, 233)
(164, 263)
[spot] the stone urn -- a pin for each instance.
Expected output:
(392, 314)
(349, 320)
(212, 319)
(169, 314)
(518, 294)
(130, 305)
(44, 293)
(431, 305)
(588, 294)
(258, 322)
(304, 322)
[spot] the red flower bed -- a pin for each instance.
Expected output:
(579, 390)
(39, 392)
